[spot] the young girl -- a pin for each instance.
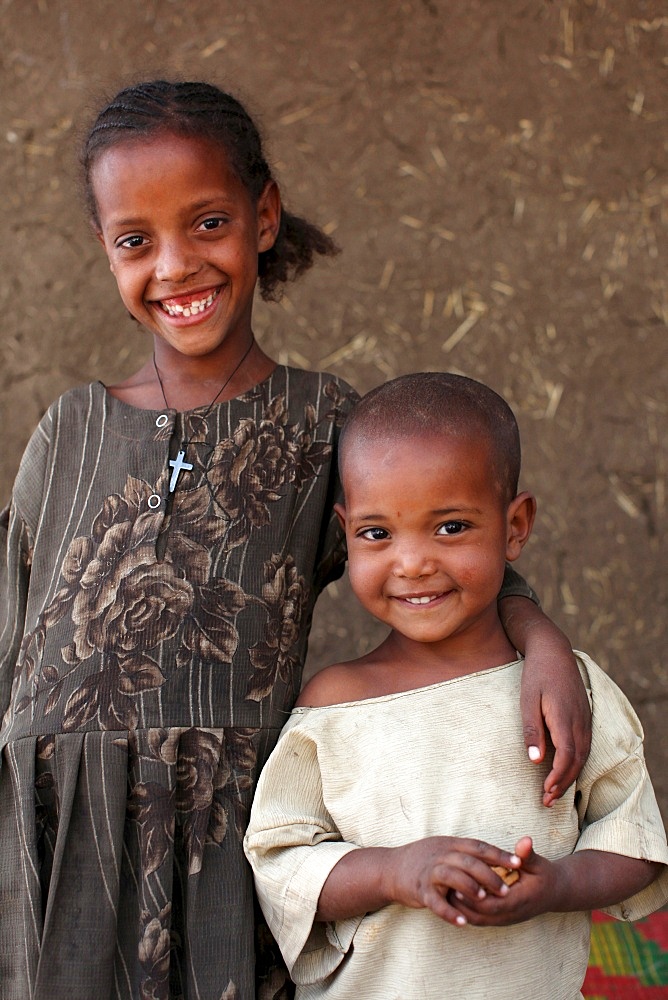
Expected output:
(166, 541)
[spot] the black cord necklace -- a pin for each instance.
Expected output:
(178, 464)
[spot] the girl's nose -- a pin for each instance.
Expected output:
(175, 262)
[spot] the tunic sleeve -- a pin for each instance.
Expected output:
(332, 549)
(292, 845)
(618, 809)
(332, 553)
(514, 585)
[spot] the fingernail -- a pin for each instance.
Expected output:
(459, 895)
(534, 753)
(460, 920)
(504, 890)
(481, 893)
(514, 860)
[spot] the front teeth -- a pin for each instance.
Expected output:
(420, 600)
(195, 307)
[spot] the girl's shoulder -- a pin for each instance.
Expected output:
(61, 427)
(298, 392)
(80, 399)
(313, 382)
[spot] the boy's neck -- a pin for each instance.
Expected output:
(401, 664)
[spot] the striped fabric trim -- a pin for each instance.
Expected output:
(628, 961)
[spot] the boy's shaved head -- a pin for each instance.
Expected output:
(434, 404)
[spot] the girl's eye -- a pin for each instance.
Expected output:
(210, 225)
(374, 534)
(131, 242)
(452, 528)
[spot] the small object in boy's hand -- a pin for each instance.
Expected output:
(507, 875)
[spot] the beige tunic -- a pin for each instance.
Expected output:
(448, 759)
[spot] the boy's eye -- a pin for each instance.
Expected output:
(374, 534)
(452, 528)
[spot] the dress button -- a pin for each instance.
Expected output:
(154, 501)
(162, 420)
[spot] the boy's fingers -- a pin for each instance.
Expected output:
(524, 850)
(471, 878)
(445, 908)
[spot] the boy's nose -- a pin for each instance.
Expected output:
(413, 562)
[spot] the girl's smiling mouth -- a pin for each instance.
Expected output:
(188, 305)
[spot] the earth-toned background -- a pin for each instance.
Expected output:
(495, 173)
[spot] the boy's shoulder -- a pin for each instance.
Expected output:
(611, 708)
(335, 685)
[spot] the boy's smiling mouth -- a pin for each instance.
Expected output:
(188, 305)
(420, 599)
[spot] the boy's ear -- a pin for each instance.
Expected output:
(340, 511)
(519, 520)
(268, 216)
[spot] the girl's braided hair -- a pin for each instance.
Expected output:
(203, 111)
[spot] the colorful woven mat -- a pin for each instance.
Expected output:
(628, 961)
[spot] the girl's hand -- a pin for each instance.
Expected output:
(553, 699)
(439, 872)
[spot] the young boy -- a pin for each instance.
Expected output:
(373, 838)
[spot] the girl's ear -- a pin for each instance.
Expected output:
(340, 511)
(268, 216)
(97, 233)
(519, 521)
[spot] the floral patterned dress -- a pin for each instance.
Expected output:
(151, 649)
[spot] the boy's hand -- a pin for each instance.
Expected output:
(438, 872)
(536, 891)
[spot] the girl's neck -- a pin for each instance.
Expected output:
(189, 383)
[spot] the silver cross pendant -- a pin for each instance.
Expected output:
(178, 466)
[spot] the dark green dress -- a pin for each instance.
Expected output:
(152, 650)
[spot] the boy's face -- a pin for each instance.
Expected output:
(428, 534)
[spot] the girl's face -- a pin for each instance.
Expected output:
(182, 235)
